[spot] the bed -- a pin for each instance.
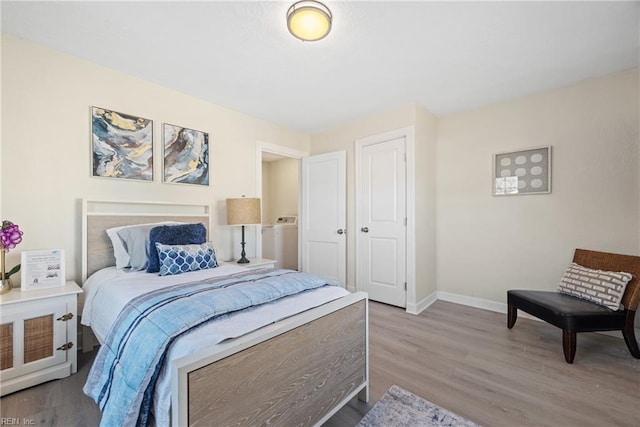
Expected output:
(294, 361)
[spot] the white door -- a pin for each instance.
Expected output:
(323, 218)
(381, 220)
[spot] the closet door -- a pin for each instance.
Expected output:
(381, 242)
(324, 215)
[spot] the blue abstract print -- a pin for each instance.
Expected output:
(186, 155)
(122, 145)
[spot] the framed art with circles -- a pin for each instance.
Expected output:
(522, 172)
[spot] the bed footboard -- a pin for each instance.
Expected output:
(299, 371)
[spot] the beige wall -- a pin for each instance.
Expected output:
(45, 170)
(426, 126)
(484, 245)
(279, 189)
(487, 245)
(471, 243)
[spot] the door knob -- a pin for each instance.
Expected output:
(365, 229)
(340, 231)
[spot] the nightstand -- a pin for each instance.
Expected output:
(38, 334)
(259, 263)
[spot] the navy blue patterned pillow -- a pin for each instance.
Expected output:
(176, 259)
(184, 234)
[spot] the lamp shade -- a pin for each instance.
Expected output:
(243, 211)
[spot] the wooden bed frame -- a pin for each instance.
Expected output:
(298, 371)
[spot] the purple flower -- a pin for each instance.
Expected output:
(10, 235)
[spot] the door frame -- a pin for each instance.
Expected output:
(408, 133)
(281, 150)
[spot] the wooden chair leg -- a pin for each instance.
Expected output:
(512, 315)
(569, 345)
(629, 335)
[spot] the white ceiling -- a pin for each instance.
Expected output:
(446, 56)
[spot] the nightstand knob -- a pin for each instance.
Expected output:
(65, 317)
(66, 346)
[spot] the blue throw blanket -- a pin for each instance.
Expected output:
(123, 376)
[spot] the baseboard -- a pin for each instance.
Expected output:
(498, 307)
(485, 304)
(458, 299)
(422, 305)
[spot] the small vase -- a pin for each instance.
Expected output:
(5, 286)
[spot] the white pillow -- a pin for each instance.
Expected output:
(123, 260)
(602, 287)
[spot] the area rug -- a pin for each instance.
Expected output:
(400, 408)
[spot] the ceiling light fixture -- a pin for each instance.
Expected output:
(309, 20)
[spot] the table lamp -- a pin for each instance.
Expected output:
(243, 211)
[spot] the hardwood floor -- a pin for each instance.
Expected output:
(55, 403)
(466, 360)
(462, 358)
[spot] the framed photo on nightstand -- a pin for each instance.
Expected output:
(42, 269)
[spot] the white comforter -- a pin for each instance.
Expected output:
(108, 291)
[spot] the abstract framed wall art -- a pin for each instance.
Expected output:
(186, 155)
(522, 172)
(122, 145)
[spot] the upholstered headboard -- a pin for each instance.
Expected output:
(98, 216)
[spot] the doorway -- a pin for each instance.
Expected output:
(278, 186)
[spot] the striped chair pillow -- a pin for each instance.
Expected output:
(601, 287)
